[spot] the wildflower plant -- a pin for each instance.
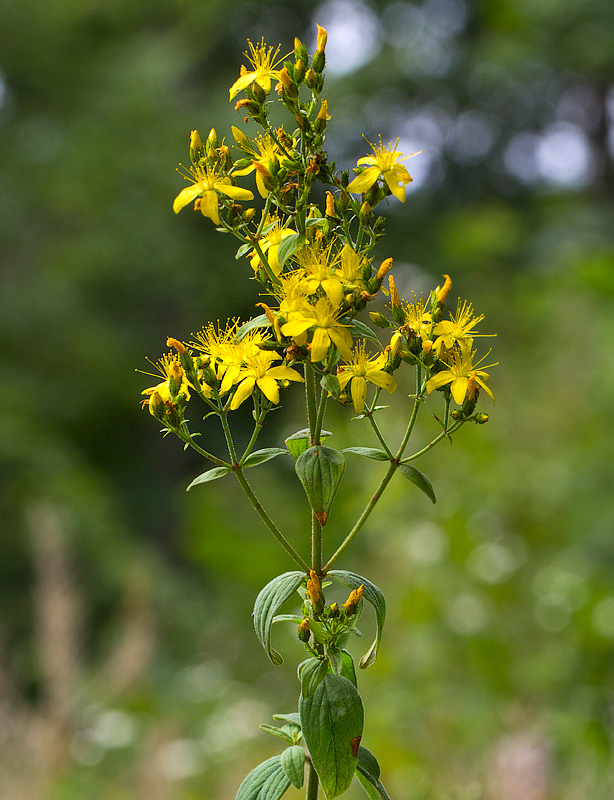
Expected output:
(317, 272)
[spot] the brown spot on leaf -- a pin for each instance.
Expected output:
(355, 744)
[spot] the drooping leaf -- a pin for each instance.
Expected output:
(294, 718)
(311, 673)
(335, 659)
(332, 722)
(243, 250)
(266, 454)
(367, 772)
(419, 479)
(372, 595)
(288, 246)
(267, 781)
(209, 475)
(293, 764)
(320, 470)
(300, 441)
(268, 602)
(367, 452)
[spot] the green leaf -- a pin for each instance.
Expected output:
(368, 452)
(419, 479)
(209, 475)
(287, 618)
(347, 667)
(243, 250)
(300, 441)
(257, 322)
(320, 470)
(330, 383)
(282, 734)
(332, 722)
(294, 718)
(367, 772)
(267, 781)
(293, 764)
(288, 246)
(374, 596)
(311, 673)
(358, 328)
(266, 454)
(336, 660)
(270, 599)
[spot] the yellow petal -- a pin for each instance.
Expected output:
(364, 181)
(285, 373)
(186, 196)
(235, 192)
(459, 389)
(343, 341)
(359, 392)
(209, 206)
(381, 379)
(241, 83)
(392, 179)
(244, 390)
(269, 388)
(439, 380)
(320, 344)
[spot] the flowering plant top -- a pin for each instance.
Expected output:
(318, 275)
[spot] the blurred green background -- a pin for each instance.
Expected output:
(128, 663)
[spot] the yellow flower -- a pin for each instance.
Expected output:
(385, 163)
(258, 371)
(360, 369)
(227, 353)
(262, 59)
(319, 265)
(269, 244)
(461, 370)
(263, 155)
(206, 183)
(350, 269)
(171, 370)
(327, 328)
(417, 318)
(459, 328)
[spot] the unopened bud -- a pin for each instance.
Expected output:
(330, 204)
(314, 590)
(380, 320)
(394, 295)
(481, 418)
(248, 214)
(300, 69)
(303, 630)
(334, 610)
(179, 347)
(364, 215)
(323, 116)
(384, 269)
(322, 38)
(212, 142)
(471, 387)
(396, 344)
(311, 79)
(352, 602)
(300, 51)
(443, 291)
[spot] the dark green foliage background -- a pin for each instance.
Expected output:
(501, 598)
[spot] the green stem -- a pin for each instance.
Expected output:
(445, 434)
(267, 268)
(320, 417)
(252, 441)
(363, 518)
(188, 440)
(312, 784)
(414, 413)
(316, 544)
(229, 442)
(310, 398)
(269, 522)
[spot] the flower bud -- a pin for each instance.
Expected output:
(300, 51)
(314, 590)
(384, 269)
(179, 347)
(303, 630)
(323, 116)
(311, 79)
(380, 320)
(481, 418)
(396, 344)
(351, 603)
(212, 142)
(364, 215)
(443, 291)
(196, 147)
(299, 70)
(322, 39)
(333, 610)
(330, 204)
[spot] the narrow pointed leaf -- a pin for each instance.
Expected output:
(336, 660)
(294, 718)
(367, 452)
(209, 475)
(268, 602)
(288, 246)
(293, 764)
(300, 441)
(243, 250)
(330, 383)
(419, 479)
(257, 322)
(320, 470)
(367, 772)
(358, 328)
(347, 667)
(285, 736)
(372, 595)
(311, 673)
(267, 781)
(332, 722)
(260, 456)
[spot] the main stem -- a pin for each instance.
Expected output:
(312, 784)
